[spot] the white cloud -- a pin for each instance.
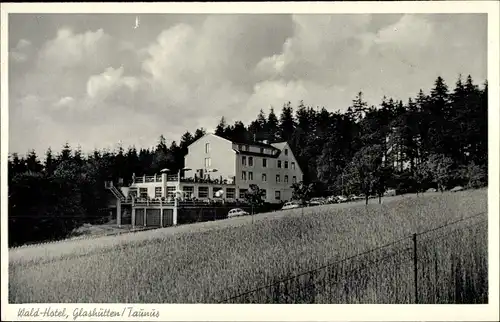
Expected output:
(409, 30)
(21, 52)
(65, 101)
(70, 50)
(109, 82)
(93, 87)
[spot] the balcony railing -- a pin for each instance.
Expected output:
(168, 202)
(173, 178)
(147, 179)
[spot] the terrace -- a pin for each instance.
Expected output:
(174, 178)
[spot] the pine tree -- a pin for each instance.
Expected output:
(220, 130)
(65, 153)
(287, 123)
(49, 162)
(272, 126)
(199, 133)
(32, 162)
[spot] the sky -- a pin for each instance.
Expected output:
(94, 81)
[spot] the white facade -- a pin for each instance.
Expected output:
(271, 167)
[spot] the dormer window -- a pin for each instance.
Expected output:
(247, 148)
(286, 151)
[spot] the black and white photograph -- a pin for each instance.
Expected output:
(214, 157)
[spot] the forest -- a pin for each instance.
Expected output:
(433, 140)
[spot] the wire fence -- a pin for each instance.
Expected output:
(447, 264)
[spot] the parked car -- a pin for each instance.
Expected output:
(431, 190)
(354, 197)
(457, 188)
(332, 199)
(316, 202)
(342, 198)
(291, 205)
(390, 192)
(236, 212)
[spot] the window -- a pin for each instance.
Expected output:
(242, 193)
(243, 175)
(214, 192)
(170, 192)
(240, 147)
(250, 161)
(293, 165)
(278, 179)
(261, 150)
(279, 163)
(277, 195)
(208, 163)
(264, 177)
(157, 192)
(264, 163)
(286, 151)
(286, 164)
(188, 192)
(294, 179)
(230, 193)
(247, 148)
(250, 175)
(244, 160)
(264, 193)
(207, 147)
(286, 179)
(143, 192)
(202, 192)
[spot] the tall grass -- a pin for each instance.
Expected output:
(211, 261)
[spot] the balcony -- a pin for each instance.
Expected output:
(173, 178)
(148, 179)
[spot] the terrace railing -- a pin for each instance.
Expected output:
(148, 179)
(184, 203)
(173, 178)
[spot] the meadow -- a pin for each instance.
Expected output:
(210, 261)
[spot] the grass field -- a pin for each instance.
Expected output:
(199, 262)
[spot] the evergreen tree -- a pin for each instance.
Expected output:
(221, 128)
(65, 154)
(32, 162)
(199, 133)
(272, 127)
(287, 123)
(49, 162)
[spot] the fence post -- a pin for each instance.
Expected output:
(415, 268)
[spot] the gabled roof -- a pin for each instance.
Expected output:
(255, 143)
(279, 145)
(257, 154)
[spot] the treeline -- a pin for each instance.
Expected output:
(435, 140)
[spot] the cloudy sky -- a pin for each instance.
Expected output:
(94, 80)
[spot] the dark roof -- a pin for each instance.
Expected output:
(256, 143)
(257, 154)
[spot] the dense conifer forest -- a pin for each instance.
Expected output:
(433, 140)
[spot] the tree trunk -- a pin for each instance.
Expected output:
(366, 198)
(379, 198)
